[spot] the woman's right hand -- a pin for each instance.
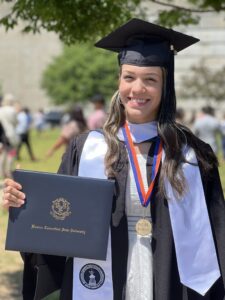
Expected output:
(12, 196)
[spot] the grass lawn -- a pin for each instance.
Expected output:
(222, 175)
(10, 262)
(41, 143)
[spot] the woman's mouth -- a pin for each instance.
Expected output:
(138, 101)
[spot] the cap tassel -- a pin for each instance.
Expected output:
(173, 49)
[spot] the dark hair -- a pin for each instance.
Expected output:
(209, 110)
(179, 113)
(175, 136)
(77, 115)
(98, 98)
(26, 110)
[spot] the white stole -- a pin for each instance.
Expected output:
(195, 250)
(86, 281)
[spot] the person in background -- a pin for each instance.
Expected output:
(24, 122)
(180, 115)
(75, 125)
(207, 127)
(39, 120)
(192, 119)
(222, 129)
(4, 144)
(8, 119)
(98, 117)
(167, 224)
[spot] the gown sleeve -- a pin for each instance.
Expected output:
(216, 208)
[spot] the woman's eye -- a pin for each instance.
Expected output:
(128, 77)
(151, 79)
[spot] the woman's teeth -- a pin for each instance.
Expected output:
(139, 100)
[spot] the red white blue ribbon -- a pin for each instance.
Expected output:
(144, 197)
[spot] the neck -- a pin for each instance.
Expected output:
(141, 123)
(144, 121)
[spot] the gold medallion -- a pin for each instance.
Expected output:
(143, 227)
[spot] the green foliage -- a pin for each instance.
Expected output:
(217, 5)
(79, 73)
(177, 17)
(204, 83)
(72, 20)
(83, 20)
(187, 12)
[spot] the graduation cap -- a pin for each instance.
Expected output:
(145, 44)
(141, 43)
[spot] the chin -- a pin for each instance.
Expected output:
(139, 119)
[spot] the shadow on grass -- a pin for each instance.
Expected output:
(12, 283)
(53, 296)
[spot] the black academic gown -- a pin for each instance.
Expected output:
(44, 274)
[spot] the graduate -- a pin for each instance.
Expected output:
(167, 233)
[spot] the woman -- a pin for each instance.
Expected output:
(166, 243)
(76, 125)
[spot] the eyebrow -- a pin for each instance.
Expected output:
(146, 74)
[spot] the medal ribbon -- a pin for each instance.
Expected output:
(144, 197)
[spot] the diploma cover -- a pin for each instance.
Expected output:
(62, 215)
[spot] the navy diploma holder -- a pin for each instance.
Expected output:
(62, 215)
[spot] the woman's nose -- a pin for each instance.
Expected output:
(138, 87)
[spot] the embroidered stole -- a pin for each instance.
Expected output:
(92, 279)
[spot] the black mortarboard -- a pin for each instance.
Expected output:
(141, 43)
(145, 44)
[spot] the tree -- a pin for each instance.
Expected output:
(187, 13)
(82, 20)
(79, 73)
(72, 20)
(203, 83)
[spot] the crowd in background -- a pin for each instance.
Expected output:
(16, 122)
(207, 126)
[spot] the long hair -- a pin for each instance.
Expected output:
(115, 120)
(174, 137)
(77, 115)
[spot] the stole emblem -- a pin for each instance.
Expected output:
(92, 276)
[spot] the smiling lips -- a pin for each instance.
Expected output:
(138, 101)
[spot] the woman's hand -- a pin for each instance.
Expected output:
(12, 196)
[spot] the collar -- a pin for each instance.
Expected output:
(140, 132)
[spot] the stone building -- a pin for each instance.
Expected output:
(210, 50)
(23, 58)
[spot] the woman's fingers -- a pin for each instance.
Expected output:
(11, 191)
(12, 196)
(8, 182)
(11, 200)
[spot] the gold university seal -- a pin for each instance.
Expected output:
(60, 209)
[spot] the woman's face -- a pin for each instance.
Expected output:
(140, 92)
